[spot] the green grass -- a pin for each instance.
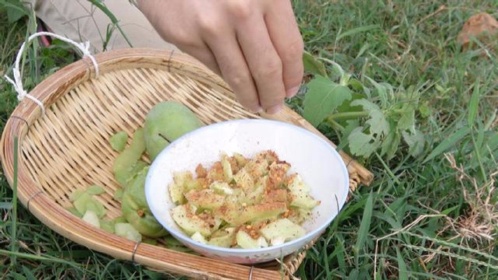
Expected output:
(432, 216)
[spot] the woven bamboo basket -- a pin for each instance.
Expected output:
(66, 148)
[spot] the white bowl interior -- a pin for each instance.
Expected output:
(314, 159)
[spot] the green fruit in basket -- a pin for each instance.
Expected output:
(118, 141)
(128, 162)
(166, 122)
(136, 210)
(126, 230)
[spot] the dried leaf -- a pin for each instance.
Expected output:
(481, 26)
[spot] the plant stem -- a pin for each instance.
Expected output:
(111, 16)
(336, 125)
(347, 115)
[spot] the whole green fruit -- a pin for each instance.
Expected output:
(166, 122)
(136, 210)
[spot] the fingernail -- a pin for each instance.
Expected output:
(292, 92)
(275, 109)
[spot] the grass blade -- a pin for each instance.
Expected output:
(474, 104)
(361, 29)
(448, 143)
(402, 271)
(364, 226)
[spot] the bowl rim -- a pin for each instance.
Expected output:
(185, 239)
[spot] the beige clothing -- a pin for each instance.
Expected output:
(81, 21)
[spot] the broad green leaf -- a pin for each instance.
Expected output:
(448, 142)
(474, 104)
(356, 85)
(15, 10)
(407, 119)
(415, 142)
(390, 144)
(425, 110)
(377, 121)
(384, 91)
(313, 66)
(349, 126)
(492, 142)
(362, 144)
(322, 98)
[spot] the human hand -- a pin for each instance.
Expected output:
(255, 45)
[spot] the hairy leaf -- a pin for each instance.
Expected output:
(415, 142)
(362, 144)
(322, 98)
(377, 121)
(390, 144)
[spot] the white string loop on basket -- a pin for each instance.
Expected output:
(84, 47)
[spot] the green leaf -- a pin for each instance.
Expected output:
(349, 126)
(492, 142)
(322, 98)
(390, 144)
(448, 143)
(415, 141)
(362, 144)
(424, 110)
(15, 10)
(313, 66)
(365, 140)
(407, 119)
(384, 91)
(377, 121)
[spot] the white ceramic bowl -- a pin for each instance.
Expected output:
(319, 165)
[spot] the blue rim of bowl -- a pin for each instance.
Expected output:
(214, 249)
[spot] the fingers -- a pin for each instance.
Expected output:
(263, 61)
(288, 42)
(221, 39)
(236, 73)
(204, 55)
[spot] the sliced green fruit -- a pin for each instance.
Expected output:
(128, 163)
(136, 210)
(223, 237)
(189, 222)
(91, 218)
(118, 141)
(126, 230)
(282, 230)
(245, 241)
(205, 199)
